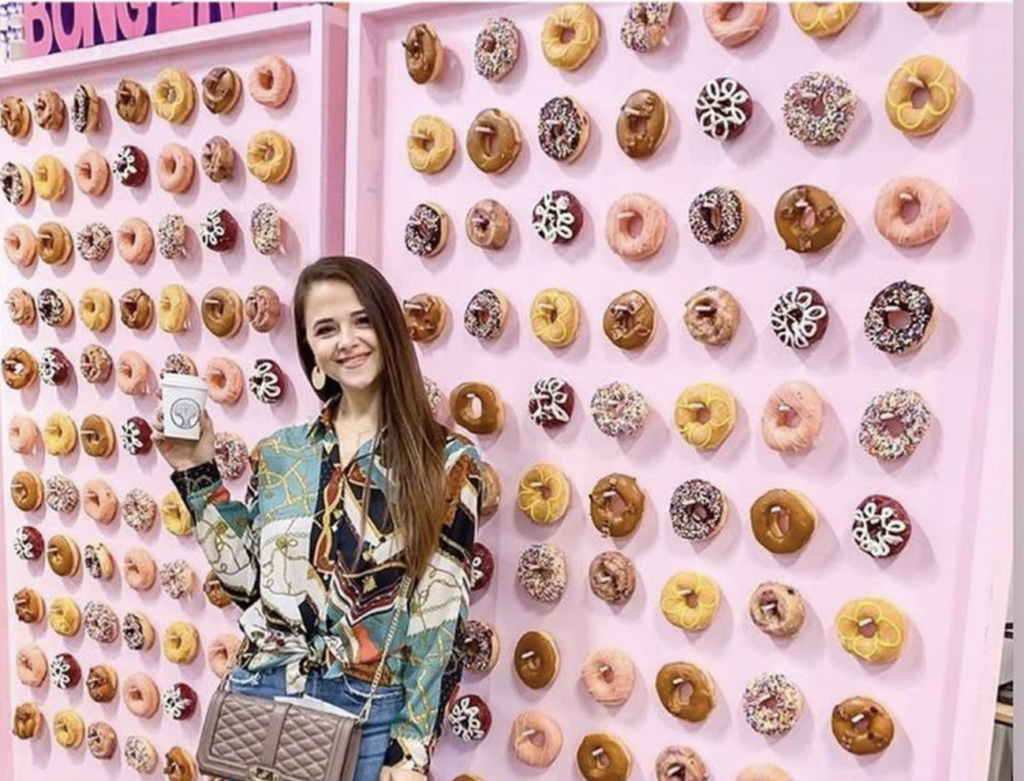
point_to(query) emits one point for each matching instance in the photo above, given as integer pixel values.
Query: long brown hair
(414, 444)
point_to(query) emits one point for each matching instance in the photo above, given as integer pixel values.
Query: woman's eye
(362, 321)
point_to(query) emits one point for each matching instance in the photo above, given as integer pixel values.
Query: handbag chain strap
(403, 595)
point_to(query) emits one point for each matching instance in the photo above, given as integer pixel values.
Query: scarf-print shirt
(317, 592)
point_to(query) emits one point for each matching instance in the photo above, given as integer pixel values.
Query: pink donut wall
(938, 690)
(313, 41)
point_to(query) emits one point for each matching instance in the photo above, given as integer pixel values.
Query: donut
(60, 436)
(469, 718)
(139, 511)
(135, 241)
(55, 308)
(544, 494)
(584, 25)
(881, 526)
(222, 654)
(716, 217)
(481, 567)
(98, 561)
(490, 490)
(563, 129)
(488, 224)
(21, 307)
(218, 230)
(491, 417)
(101, 622)
(861, 726)
(172, 237)
(231, 455)
(27, 491)
(31, 665)
(20, 368)
(94, 242)
(174, 95)
(130, 166)
(85, 109)
(609, 676)
(180, 643)
(698, 510)
(772, 704)
(131, 102)
(894, 424)
(225, 381)
(28, 721)
(177, 579)
(62, 555)
(933, 210)
(690, 600)
(783, 521)
(99, 501)
(928, 9)
(685, 691)
(175, 515)
(542, 572)
(267, 382)
(61, 494)
(49, 178)
(173, 309)
(931, 77)
(68, 729)
(425, 317)
(28, 543)
(222, 88)
(30, 608)
(777, 609)
(705, 414)
(426, 232)
(175, 168)
(792, 417)
(496, 49)
(22, 434)
(820, 20)
(616, 505)
(65, 618)
(712, 315)
(551, 402)
(643, 121)
(266, 229)
(799, 317)
(901, 318)
(16, 182)
(92, 173)
(819, 108)
(50, 110)
(20, 245)
(480, 647)
(612, 577)
(630, 320)
(269, 156)
(739, 29)
(636, 226)
(618, 410)
(724, 108)
(424, 53)
(15, 117)
(271, 81)
(555, 317)
(558, 217)
(138, 632)
(677, 763)
(55, 244)
(179, 701)
(139, 754)
(101, 740)
(872, 629)
(101, 683)
(430, 144)
(808, 219)
(132, 373)
(96, 309)
(54, 368)
(223, 312)
(218, 159)
(493, 141)
(180, 766)
(603, 757)
(136, 309)
(645, 25)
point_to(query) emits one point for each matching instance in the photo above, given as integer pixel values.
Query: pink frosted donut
(271, 80)
(20, 245)
(135, 240)
(222, 654)
(31, 665)
(636, 226)
(175, 168)
(933, 205)
(733, 32)
(536, 739)
(225, 381)
(609, 676)
(763, 773)
(132, 373)
(792, 417)
(21, 307)
(139, 569)
(23, 434)
(141, 696)
(92, 173)
(99, 501)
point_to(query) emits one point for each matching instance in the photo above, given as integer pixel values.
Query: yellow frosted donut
(96, 309)
(175, 515)
(173, 312)
(820, 20)
(580, 19)
(431, 144)
(872, 629)
(181, 642)
(690, 600)
(934, 77)
(705, 414)
(65, 617)
(68, 728)
(555, 317)
(60, 435)
(174, 95)
(269, 156)
(49, 178)
(544, 493)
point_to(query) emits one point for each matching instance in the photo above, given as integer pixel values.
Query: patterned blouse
(287, 557)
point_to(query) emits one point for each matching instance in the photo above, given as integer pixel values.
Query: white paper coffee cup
(184, 398)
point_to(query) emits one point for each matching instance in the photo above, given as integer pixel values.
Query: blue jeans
(350, 694)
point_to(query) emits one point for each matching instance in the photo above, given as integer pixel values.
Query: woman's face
(338, 329)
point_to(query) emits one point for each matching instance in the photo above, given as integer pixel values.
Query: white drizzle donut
(551, 402)
(266, 382)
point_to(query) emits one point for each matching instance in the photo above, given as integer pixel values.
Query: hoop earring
(318, 378)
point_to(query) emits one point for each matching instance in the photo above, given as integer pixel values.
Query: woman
(338, 511)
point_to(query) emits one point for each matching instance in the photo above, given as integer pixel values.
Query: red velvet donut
(180, 701)
(136, 436)
(469, 718)
(482, 567)
(28, 543)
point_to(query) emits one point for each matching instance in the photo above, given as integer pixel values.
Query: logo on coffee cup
(185, 413)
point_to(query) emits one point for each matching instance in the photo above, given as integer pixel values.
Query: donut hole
(867, 628)
(863, 726)
(487, 144)
(910, 208)
(265, 79)
(475, 407)
(919, 97)
(691, 600)
(780, 521)
(788, 417)
(898, 319)
(427, 142)
(703, 414)
(713, 217)
(487, 43)
(638, 125)
(601, 760)
(894, 427)
(808, 219)
(817, 106)
(616, 505)
(684, 692)
(566, 34)
(732, 12)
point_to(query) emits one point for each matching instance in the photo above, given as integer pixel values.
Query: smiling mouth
(354, 360)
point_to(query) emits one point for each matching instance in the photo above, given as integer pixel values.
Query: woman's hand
(395, 774)
(184, 453)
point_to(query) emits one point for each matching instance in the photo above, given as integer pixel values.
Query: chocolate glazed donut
(488, 224)
(493, 141)
(616, 505)
(643, 124)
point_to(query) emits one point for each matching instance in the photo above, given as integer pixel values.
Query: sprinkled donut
(139, 510)
(16, 183)
(618, 409)
(267, 382)
(612, 577)
(716, 216)
(61, 494)
(609, 676)
(481, 567)
(486, 314)
(894, 424)
(644, 27)
(712, 315)
(101, 622)
(542, 572)
(176, 578)
(469, 718)
(808, 219)
(624, 214)
(698, 510)
(673, 682)
(933, 211)
(916, 312)
(54, 307)
(792, 417)
(85, 109)
(616, 505)
(799, 317)
(558, 217)
(171, 236)
(231, 455)
(724, 107)
(818, 108)
(772, 704)
(940, 85)
(563, 129)
(139, 754)
(94, 242)
(496, 49)
(777, 609)
(265, 226)
(426, 232)
(881, 526)
(550, 402)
